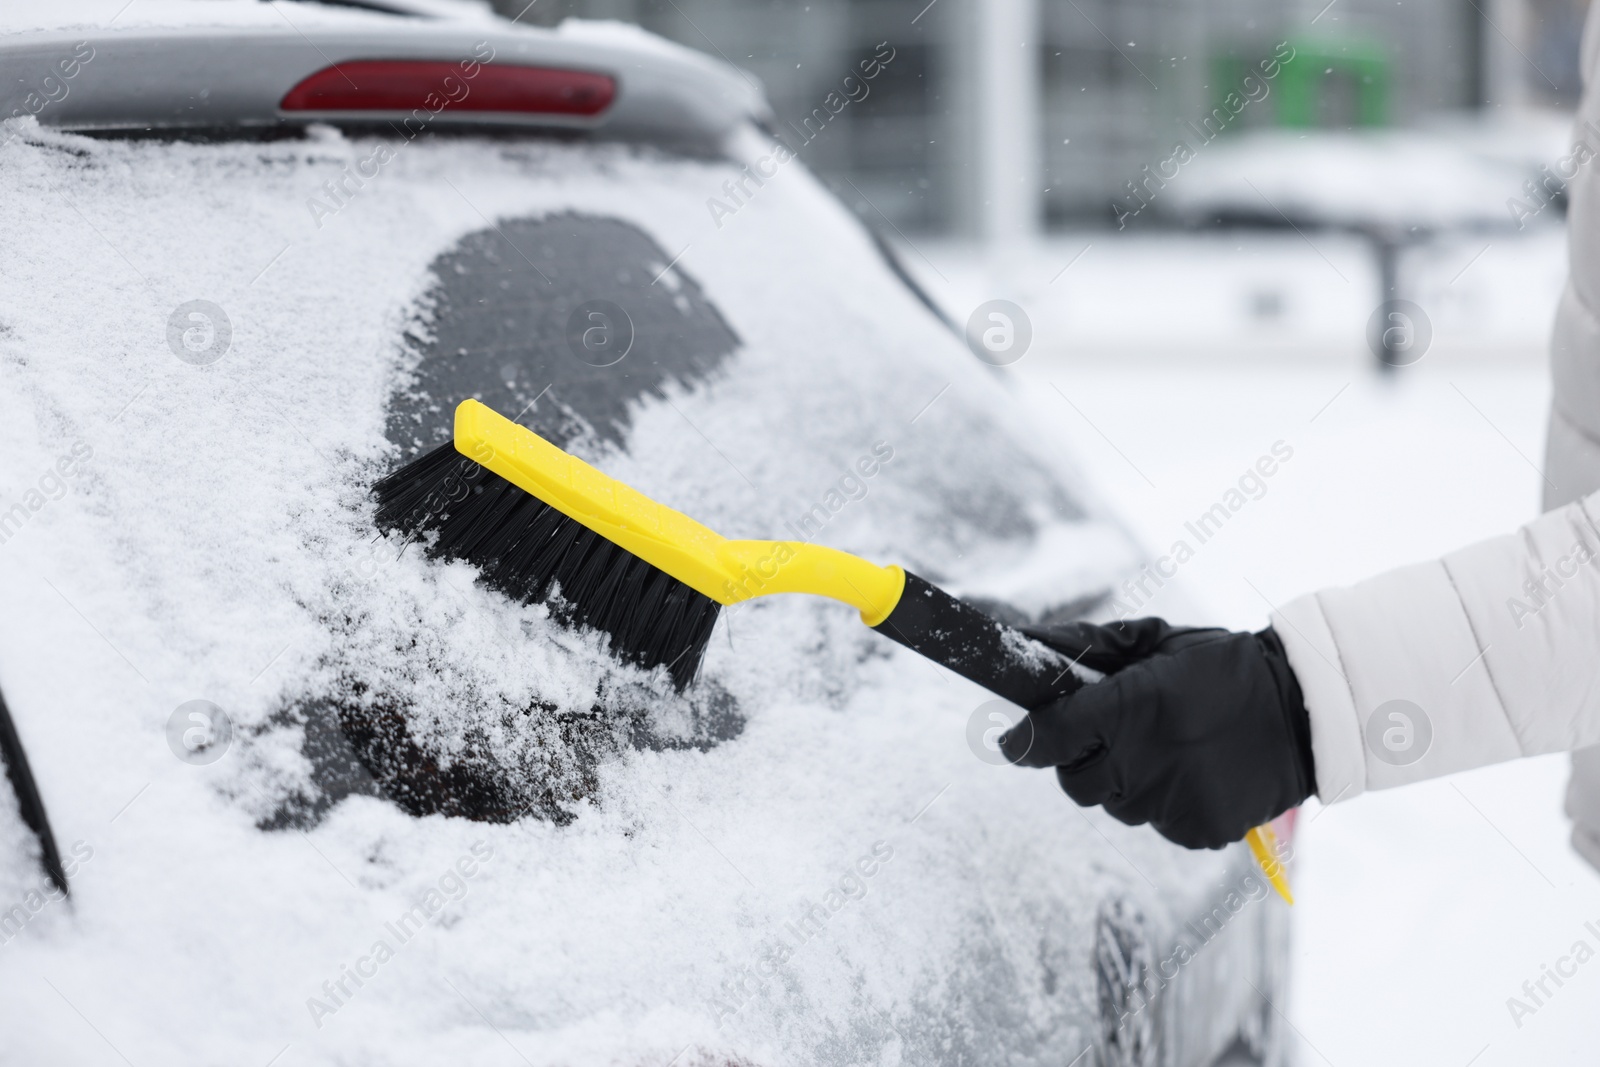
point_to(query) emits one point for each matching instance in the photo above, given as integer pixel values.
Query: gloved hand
(1201, 733)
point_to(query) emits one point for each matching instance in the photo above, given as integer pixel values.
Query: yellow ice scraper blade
(1262, 840)
(726, 571)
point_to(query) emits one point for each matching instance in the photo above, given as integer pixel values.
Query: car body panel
(802, 862)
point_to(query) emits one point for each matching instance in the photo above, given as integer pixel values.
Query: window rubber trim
(896, 265)
(28, 798)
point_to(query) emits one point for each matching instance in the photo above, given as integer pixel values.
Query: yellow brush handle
(1263, 843)
(699, 557)
(726, 571)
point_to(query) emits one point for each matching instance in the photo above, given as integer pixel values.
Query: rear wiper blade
(28, 799)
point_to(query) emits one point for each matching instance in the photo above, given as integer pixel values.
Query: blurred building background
(998, 118)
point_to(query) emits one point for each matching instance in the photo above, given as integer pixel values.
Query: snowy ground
(1421, 910)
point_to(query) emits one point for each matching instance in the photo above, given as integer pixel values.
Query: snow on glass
(220, 541)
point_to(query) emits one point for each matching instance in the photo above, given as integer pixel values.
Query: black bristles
(528, 550)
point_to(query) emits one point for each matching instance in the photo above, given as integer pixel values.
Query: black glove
(1201, 733)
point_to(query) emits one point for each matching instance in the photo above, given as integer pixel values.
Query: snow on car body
(443, 823)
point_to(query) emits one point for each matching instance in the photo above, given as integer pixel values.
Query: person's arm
(1491, 653)
(1494, 650)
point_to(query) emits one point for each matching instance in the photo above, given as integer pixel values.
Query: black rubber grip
(1004, 661)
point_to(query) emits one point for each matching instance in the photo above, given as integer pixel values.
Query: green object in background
(1302, 80)
(1305, 81)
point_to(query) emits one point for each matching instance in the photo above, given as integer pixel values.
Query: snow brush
(542, 525)
(538, 521)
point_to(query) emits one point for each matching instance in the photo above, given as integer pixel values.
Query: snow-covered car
(288, 792)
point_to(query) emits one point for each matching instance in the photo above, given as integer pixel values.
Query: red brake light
(408, 85)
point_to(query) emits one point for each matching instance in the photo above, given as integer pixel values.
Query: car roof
(187, 64)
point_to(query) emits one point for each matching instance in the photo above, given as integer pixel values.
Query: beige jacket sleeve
(1491, 653)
